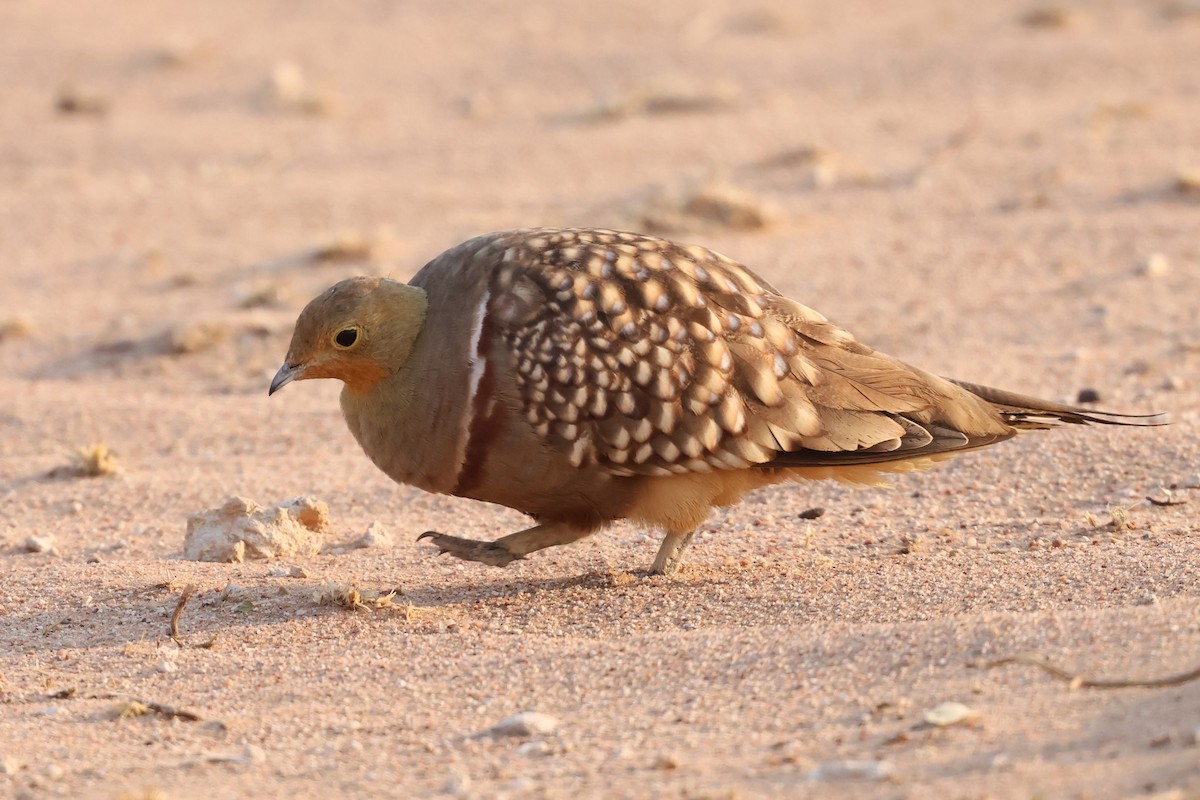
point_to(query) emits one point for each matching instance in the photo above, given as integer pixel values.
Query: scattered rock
(9, 765)
(909, 543)
(1050, 17)
(287, 89)
(180, 52)
(347, 246)
(536, 748)
(852, 770)
(1087, 395)
(72, 100)
(712, 206)
(949, 713)
(1193, 481)
(39, 544)
(311, 512)
(270, 294)
(1187, 182)
(193, 337)
(668, 762)
(818, 167)
(1156, 265)
(166, 666)
(527, 723)
(18, 327)
(297, 572)
(376, 536)
(811, 513)
(251, 754)
(1166, 498)
(241, 529)
(457, 784)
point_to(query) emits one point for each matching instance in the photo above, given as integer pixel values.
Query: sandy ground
(994, 196)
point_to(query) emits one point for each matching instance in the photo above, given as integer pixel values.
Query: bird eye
(346, 338)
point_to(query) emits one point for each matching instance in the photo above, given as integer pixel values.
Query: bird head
(359, 331)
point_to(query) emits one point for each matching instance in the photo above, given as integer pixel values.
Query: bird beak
(287, 373)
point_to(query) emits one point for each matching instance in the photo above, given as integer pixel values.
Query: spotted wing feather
(651, 358)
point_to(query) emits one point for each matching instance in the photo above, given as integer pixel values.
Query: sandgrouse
(584, 376)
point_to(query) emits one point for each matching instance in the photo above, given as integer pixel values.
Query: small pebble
(458, 784)
(54, 772)
(1087, 395)
(527, 723)
(39, 544)
(534, 749)
(297, 572)
(812, 513)
(166, 666)
(1147, 600)
(1155, 266)
(852, 770)
(667, 761)
(376, 536)
(1193, 482)
(9, 765)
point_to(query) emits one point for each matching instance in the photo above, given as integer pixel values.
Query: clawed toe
(469, 549)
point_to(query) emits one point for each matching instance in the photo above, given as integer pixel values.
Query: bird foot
(489, 553)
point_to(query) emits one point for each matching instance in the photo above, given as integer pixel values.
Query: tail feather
(1031, 413)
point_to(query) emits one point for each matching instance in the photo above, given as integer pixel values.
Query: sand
(999, 197)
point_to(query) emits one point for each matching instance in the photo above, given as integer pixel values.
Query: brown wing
(652, 358)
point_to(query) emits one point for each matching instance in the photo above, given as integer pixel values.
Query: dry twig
(1080, 682)
(183, 599)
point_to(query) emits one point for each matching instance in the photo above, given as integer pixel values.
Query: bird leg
(506, 549)
(670, 554)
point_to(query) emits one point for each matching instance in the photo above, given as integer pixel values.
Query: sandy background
(1000, 197)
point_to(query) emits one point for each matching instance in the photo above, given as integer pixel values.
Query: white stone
(241, 529)
(375, 536)
(852, 770)
(527, 723)
(39, 544)
(949, 713)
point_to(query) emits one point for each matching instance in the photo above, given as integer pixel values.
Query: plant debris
(130, 708)
(1080, 682)
(93, 461)
(332, 593)
(1119, 519)
(1167, 498)
(183, 599)
(662, 100)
